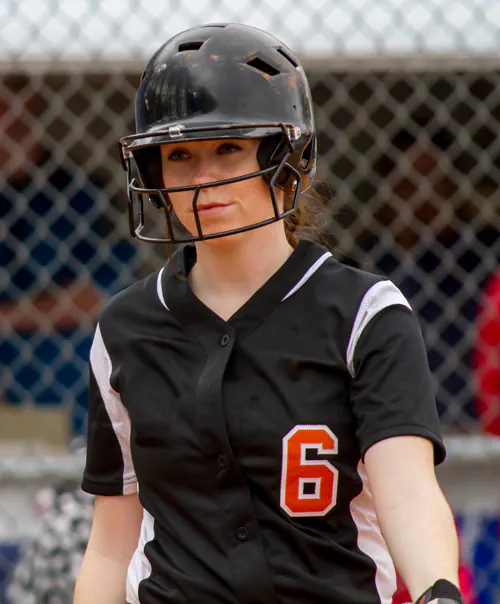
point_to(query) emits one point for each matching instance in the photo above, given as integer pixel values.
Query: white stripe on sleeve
(118, 415)
(381, 295)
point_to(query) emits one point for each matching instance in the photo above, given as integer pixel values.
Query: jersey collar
(304, 261)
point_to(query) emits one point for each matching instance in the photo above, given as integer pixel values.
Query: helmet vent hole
(261, 65)
(190, 46)
(288, 57)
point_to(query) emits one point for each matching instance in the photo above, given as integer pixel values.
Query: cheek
(181, 202)
(175, 176)
(258, 204)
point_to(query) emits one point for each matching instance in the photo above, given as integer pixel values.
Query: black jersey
(246, 438)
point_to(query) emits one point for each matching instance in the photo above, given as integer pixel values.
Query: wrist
(442, 592)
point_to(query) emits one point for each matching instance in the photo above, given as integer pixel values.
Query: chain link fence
(407, 100)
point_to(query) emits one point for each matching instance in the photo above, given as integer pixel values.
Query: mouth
(209, 209)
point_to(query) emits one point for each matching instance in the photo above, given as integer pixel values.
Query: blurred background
(407, 99)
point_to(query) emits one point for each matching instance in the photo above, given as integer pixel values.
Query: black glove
(442, 592)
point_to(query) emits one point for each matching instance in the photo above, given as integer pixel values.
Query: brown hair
(310, 219)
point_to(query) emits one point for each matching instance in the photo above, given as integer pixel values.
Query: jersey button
(242, 533)
(224, 341)
(222, 462)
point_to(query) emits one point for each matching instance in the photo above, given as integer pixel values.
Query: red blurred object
(486, 358)
(401, 596)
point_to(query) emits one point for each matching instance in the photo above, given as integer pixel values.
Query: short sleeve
(109, 468)
(392, 393)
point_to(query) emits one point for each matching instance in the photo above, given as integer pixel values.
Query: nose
(204, 171)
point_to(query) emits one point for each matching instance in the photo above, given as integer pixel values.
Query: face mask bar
(134, 188)
(179, 132)
(137, 228)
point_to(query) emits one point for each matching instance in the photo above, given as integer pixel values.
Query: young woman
(262, 426)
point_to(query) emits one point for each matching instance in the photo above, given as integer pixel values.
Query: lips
(212, 209)
(210, 206)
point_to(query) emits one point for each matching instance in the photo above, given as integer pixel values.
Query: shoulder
(347, 300)
(356, 293)
(135, 305)
(351, 276)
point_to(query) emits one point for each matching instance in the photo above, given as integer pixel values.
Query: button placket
(242, 533)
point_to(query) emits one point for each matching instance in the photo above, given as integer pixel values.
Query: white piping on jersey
(118, 415)
(140, 567)
(379, 296)
(159, 288)
(370, 539)
(308, 274)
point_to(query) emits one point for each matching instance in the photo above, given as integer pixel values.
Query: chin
(225, 239)
(218, 223)
(213, 229)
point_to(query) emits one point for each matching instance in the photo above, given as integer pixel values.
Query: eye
(178, 155)
(228, 148)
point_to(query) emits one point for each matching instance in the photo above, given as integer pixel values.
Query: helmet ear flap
(148, 162)
(309, 156)
(270, 153)
(307, 163)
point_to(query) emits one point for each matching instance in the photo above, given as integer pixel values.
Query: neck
(238, 265)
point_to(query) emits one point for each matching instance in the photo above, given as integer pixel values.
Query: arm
(413, 514)
(392, 396)
(109, 475)
(113, 540)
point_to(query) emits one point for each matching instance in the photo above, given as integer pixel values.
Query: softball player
(262, 425)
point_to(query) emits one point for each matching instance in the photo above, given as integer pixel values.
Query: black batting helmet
(215, 82)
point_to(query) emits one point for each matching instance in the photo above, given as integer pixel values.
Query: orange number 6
(308, 486)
